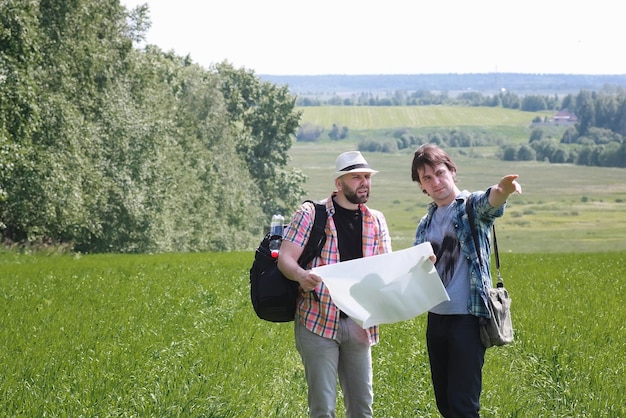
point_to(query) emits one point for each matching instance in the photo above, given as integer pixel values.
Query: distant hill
(488, 83)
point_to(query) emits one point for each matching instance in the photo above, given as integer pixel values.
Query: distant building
(564, 117)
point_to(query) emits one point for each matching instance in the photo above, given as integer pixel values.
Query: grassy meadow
(381, 117)
(174, 335)
(366, 122)
(563, 208)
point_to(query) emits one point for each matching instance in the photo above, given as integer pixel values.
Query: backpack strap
(317, 238)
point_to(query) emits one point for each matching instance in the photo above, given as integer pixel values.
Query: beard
(353, 197)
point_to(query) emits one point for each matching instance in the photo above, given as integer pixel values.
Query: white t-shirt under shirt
(450, 264)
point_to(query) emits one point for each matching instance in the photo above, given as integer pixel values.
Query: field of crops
(381, 117)
(175, 335)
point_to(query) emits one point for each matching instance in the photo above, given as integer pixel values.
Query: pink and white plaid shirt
(322, 317)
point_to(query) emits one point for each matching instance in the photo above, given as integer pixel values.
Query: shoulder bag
(498, 328)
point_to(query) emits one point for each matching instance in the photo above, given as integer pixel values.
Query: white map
(386, 288)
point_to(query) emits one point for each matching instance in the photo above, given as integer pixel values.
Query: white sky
(297, 37)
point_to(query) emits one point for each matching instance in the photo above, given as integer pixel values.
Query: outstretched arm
(501, 191)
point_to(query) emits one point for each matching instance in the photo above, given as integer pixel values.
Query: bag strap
(317, 238)
(500, 282)
(470, 215)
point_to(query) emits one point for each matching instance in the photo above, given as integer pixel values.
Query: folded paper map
(386, 288)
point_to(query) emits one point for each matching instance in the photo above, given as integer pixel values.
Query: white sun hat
(352, 162)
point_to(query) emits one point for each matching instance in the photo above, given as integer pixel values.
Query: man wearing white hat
(331, 344)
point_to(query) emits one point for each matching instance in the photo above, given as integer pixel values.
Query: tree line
(106, 146)
(531, 102)
(598, 138)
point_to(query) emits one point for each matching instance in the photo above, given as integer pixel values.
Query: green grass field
(174, 335)
(563, 208)
(381, 117)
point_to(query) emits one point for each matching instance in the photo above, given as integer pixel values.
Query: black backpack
(273, 295)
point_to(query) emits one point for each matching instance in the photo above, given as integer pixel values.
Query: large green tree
(111, 148)
(266, 122)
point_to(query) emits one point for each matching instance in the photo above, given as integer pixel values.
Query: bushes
(404, 138)
(309, 132)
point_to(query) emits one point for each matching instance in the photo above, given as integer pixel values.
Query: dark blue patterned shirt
(485, 217)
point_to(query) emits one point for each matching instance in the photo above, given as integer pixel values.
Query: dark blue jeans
(456, 362)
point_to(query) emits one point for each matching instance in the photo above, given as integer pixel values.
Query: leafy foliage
(309, 132)
(114, 149)
(597, 139)
(265, 121)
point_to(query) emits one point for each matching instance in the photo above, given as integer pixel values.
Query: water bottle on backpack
(276, 232)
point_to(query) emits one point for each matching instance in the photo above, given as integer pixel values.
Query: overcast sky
(300, 37)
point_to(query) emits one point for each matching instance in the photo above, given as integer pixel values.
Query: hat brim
(356, 170)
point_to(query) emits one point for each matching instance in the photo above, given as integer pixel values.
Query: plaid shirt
(485, 216)
(322, 317)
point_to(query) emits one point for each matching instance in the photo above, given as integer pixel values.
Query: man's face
(438, 182)
(356, 187)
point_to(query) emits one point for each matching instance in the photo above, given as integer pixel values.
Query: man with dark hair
(330, 344)
(455, 351)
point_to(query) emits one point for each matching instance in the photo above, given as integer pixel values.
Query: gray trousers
(349, 358)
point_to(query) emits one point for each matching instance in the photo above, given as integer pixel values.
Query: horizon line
(448, 73)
